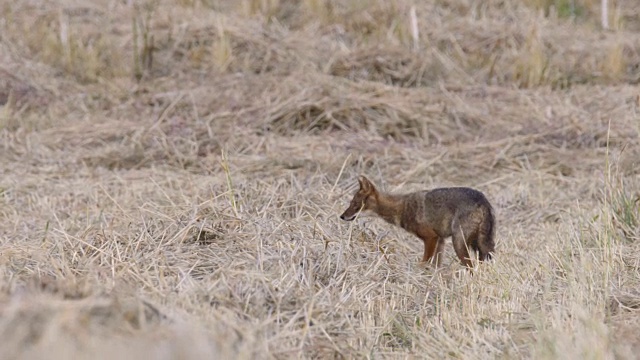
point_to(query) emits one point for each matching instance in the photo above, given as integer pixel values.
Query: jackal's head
(364, 199)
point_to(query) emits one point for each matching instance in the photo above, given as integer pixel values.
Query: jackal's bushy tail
(486, 235)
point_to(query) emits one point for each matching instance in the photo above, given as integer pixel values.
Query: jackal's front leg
(430, 239)
(437, 260)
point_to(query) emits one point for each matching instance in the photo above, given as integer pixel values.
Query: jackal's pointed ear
(365, 184)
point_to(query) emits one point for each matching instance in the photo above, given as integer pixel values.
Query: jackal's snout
(359, 200)
(347, 217)
(354, 208)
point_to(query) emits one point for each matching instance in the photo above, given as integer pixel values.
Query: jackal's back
(436, 209)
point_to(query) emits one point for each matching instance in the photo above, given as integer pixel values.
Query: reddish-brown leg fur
(430, 239)
(429, 249)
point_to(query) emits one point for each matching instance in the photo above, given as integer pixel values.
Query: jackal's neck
(390, 207)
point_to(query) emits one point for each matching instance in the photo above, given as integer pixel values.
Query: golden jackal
(464, 214)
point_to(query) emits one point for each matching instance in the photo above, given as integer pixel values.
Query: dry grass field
(172, 172)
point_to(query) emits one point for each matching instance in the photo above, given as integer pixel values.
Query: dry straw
(172, 175)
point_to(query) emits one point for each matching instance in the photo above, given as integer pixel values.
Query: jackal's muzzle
(347, 217)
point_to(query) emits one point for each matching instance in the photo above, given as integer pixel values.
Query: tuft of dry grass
(172, 172)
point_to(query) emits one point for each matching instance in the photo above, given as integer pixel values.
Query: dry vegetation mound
(171, 174)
